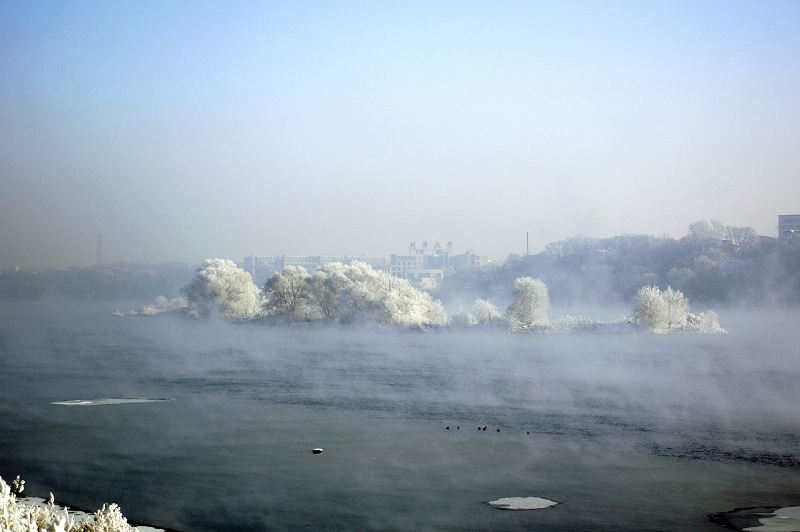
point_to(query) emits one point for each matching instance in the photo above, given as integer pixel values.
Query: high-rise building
(426, 267)
(788, 225)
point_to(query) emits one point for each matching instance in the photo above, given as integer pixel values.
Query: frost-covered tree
(486, 314)
(660, 309)
(676, 308)
(649, 307)
(363, 297)
(287, 293)
(407, 306)
(350, 293)
(664, 310)
(325, 289)
(530, 305)
(220, 285)
(742, 237)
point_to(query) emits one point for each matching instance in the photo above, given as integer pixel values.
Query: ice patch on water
(522, 503)
(111, 401)
(785, 520)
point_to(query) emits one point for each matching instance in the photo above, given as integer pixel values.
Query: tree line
(712, 264)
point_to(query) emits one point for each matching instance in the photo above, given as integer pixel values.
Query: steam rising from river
(356, 293)
(593, 402)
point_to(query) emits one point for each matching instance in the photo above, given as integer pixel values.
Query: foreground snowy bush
(16, 516)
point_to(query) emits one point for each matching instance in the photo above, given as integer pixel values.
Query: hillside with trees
(712, 264)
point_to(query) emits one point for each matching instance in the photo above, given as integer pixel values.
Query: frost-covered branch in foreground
(18, 516)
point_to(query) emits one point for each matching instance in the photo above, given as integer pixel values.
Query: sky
(188, 130)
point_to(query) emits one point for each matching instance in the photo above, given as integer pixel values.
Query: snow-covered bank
(26, 514)
(760, 519)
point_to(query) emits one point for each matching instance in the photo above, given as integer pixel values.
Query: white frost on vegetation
(159, 305)
(667, 310)
(522, 503)
(348, 293)
(486, 314)
(584, 324)
(34, 515)
(221, 286)
(531, 302)
(287, 294)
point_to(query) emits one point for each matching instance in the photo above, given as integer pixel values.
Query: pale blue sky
(186, 130)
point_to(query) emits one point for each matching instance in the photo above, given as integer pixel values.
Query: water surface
(626, 433)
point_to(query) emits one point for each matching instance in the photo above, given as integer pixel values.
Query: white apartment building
(425, 267)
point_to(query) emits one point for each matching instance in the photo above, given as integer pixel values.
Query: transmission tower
(98, 263)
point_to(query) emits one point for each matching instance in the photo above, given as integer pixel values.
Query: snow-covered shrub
(705, 322)
(660, 309)
(665, 310)
(530, 305)
(16, 516)
(161, 304)
(486, 314)
(406, 306)
(350, 293)
(222, 286)
(107, 519)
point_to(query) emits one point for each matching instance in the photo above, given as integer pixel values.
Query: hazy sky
(187, 130)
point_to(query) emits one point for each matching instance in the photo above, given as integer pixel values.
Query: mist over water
(627, 432)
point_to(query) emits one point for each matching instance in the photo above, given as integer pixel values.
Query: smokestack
(527, 245)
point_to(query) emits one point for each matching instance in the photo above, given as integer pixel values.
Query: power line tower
(98, 263)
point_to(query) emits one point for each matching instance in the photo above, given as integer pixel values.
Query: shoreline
(60, 515)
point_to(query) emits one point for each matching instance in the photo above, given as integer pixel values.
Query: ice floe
(784, 520)
(760, 519)
(522, 503)
(111, 401)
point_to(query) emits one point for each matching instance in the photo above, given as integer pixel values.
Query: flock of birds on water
(481, 428)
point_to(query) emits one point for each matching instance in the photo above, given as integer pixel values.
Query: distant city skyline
(184, 130)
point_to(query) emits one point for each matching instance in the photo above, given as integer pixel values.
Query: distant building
(426, 267)
(789, 225)
(262, 267)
